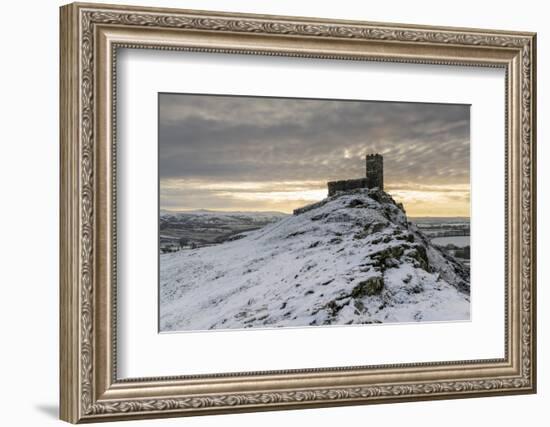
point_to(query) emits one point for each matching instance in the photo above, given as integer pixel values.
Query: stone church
(374, 177)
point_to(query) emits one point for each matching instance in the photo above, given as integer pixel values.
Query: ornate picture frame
(90, 37)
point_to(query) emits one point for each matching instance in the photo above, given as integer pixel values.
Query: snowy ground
(355, 259)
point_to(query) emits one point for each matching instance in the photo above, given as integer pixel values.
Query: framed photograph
(266, 212)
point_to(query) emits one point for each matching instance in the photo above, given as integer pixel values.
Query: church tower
(375, 171)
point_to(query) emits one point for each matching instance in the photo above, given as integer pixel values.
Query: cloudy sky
(276, 154)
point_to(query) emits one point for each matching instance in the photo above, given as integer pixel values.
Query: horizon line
(182, 210)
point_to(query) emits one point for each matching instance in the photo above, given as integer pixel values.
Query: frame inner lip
(339, 370)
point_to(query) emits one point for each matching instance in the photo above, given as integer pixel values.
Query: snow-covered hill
(351, 259)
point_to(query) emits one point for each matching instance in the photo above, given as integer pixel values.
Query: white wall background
(29, 170)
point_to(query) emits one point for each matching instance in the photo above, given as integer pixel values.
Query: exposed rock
(369, 287)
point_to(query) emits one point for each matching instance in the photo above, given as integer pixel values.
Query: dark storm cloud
(222, 138)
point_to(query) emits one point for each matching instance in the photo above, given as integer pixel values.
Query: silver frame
(90, 37)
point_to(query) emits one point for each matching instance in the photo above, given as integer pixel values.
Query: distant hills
(204, 227)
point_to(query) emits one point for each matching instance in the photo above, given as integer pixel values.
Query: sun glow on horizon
(285, 196)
